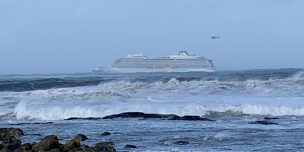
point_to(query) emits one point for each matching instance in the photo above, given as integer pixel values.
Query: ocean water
(40, 105)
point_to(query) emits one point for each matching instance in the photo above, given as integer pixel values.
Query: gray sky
(64, 36)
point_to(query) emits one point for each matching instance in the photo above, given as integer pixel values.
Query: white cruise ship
(183, 62)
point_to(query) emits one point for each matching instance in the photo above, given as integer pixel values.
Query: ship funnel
(184, 53)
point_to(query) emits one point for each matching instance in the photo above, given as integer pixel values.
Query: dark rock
(35, 146)
(159, 116)
(6, 150)
(139, 115)
(54, 150)
(8, 139)
(81, 137)
(71, 145)
(88, 118)
(130, 146)
(47, 143)
(10, 143)
(61, 146)
(27, 147)
(155, 116)
(15, 132)
(84, 147)
(182, 142)
(271, 118)
(192, 118)
(263, 122)
(125, 115)
(106, 134)
(34, 123)
(103, 147)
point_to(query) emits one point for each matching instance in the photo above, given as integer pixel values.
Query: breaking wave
(298, 76)
(64, 110)
(47, 83)
(27, 83)
(271, 92)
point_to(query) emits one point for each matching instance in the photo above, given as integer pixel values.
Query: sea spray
(50, 110)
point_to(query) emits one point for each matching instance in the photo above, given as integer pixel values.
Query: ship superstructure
(183, 62)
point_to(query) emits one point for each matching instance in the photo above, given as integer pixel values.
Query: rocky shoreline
(50, 143)
(10, 142)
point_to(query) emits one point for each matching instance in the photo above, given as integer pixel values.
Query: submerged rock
(271, 118)
(8, 136)
(47, 143)
(71, 145)
(51, 144)
(181, 142)
(15, 132)
(137, 115)
(10, 143)
(33, 123)
(102, 147)
(81, 137)
(130, 146)
(192, 118)
(27, 147)
(263, 122)
(84, 147)
(155, 116)
(87, 118)
(106, 134)
(125, 115)
(55, 150)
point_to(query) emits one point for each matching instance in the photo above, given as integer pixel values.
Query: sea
(237, 101)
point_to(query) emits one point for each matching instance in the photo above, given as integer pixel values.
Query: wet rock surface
(72, 145)
(15, 132)
(33, 123)
(263, 122)
(181, 142)
(27, 147)
(271, 118)
(191, 118)
(10, 143)
(49, 143)
(106, 134)
(156, 116)
(88, 118)
(142, 115)
(128, 146)
(102, 147)
(81, 137)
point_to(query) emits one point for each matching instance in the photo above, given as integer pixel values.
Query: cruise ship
(136, 63)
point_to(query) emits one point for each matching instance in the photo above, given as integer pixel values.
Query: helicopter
(215, 37)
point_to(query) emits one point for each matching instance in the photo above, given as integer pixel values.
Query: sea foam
(198, 97)
(63, 110)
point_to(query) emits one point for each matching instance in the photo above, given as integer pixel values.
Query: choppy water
(232, 98)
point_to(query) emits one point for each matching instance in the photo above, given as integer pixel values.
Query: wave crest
(298, 76)
(47, 110)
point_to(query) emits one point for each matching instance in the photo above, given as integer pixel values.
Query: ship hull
(135, 70)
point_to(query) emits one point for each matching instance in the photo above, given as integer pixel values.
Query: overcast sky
(67, 36)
